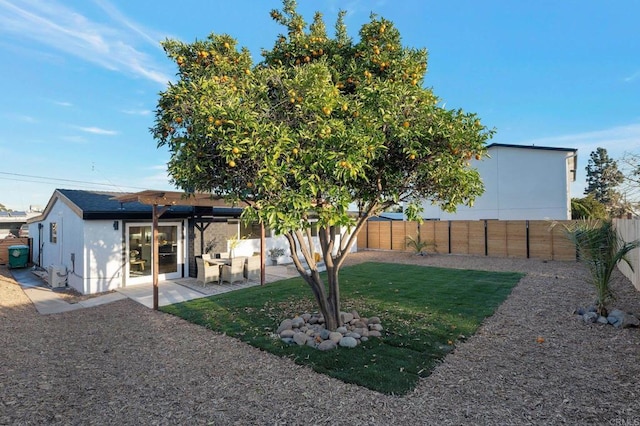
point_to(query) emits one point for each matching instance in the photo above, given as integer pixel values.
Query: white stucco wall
(69, 240)
(103, 269)
(520, 183)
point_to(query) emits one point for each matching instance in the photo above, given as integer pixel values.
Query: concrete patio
(48, 301)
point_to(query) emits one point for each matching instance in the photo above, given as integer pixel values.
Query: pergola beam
(167, 199)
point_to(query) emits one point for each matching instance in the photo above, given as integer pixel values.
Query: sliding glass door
(139, 252)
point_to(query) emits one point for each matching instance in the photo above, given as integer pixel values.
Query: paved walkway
(47, 301)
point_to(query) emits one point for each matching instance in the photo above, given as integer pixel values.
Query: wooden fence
(537, 239)
(5, 243)
(629, 230)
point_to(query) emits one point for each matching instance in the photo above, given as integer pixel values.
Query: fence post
(486, 239)
(527, 237)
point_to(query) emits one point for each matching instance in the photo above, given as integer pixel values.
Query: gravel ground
(124, 364)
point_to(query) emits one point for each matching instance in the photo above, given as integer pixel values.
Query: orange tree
(322, 124)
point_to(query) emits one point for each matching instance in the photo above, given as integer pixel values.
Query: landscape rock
(284, 325)
(288, 333)
(621, 319)
(616, 317)
(348, 342)
(346, 317)
(327, 345)
(307, 329)
(335, 337)
(590, 317)
(297, 322)
(300, 338)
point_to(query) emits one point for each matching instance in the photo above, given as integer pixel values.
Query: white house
(521, 182)
(92, 242)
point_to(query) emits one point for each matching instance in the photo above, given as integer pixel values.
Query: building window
(53, 232)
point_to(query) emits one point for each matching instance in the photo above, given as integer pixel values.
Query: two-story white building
(521, 183)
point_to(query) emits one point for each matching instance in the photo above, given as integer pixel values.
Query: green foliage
(425, 313)
(601, 249)
(419, 246)
(320, 124)
(603, 177)
(276, 252)
(588, 208)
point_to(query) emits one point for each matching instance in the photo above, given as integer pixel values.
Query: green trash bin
(18, 256)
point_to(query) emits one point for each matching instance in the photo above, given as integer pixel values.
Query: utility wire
(85, 183)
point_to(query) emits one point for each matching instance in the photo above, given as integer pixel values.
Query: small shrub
(419, 246)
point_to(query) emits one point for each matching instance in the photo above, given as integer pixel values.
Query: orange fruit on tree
(231, 163)
(412, 157)
(235, 150)
(406, 124)
(218, 123)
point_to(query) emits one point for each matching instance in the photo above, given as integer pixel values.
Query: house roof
(102, 205)
(548, 148)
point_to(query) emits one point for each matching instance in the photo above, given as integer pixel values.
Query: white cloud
(110, 46)
(136, 111)
(632, 77)
(23, 118)
(616, 140)
(98, 131)
(63, 104)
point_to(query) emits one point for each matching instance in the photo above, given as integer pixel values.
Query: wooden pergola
(161, 201)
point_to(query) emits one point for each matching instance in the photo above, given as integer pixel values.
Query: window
(53, 232)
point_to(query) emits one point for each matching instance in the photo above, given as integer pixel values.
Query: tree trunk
(328, 304)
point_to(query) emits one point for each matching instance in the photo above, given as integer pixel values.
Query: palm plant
(418, 245)
(600, 248)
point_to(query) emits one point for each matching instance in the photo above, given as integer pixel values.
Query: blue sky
(80, 78)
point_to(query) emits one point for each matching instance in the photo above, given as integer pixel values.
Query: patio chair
(252, 268)
(207, 272)
(234, 271)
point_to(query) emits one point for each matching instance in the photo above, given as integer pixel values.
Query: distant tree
(630, 188)
(4, 209)
(588, 208)
(322, 123)
(603, 177)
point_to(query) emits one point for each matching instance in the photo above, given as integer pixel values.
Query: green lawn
(425, 312)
